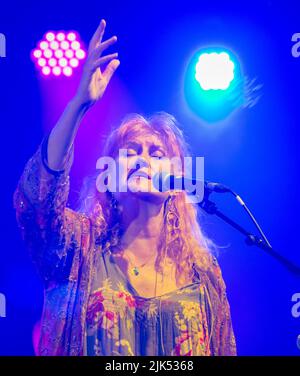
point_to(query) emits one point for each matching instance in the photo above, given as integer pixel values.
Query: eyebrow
(137, 146)
(132, 144)
(155, 147)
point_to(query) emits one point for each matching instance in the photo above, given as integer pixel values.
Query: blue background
(255, 151)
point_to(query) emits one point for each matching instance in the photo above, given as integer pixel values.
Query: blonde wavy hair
(181, 238)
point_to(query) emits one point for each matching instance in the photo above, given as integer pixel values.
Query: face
(144, 156)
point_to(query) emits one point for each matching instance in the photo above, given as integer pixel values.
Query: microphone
(163, 182)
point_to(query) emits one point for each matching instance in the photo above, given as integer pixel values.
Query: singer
(130, 273)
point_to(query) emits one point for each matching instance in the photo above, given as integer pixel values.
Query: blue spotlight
(214, 85)
(214, 71)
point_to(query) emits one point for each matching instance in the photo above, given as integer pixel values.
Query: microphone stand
(261, 242)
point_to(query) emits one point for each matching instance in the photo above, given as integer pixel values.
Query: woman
(133, 274)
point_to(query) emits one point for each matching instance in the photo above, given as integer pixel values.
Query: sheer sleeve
(224, 338)
(56, 236)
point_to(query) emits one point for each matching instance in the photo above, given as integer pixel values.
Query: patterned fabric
(85, 315)
(120, 322)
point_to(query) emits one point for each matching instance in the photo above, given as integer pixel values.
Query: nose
(139, 164)
(142, 161)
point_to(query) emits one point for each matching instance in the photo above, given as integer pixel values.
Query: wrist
(79, 106)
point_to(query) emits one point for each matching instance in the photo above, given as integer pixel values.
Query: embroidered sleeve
(225, 340)
(55, 235)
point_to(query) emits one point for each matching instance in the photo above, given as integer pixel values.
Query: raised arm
(57, 236)
(91, 88)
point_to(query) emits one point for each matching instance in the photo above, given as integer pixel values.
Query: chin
(144, 190)
(154, 197)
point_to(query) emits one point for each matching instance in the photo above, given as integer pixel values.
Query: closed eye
(158, 155)
(130, 152)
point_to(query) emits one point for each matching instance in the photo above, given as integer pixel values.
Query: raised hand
(94, 81)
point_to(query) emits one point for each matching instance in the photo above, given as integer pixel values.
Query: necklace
(135, 270)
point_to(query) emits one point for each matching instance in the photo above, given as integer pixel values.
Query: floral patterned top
(89, 306)
(120, 322)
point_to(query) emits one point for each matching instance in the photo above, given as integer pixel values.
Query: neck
(142, 227)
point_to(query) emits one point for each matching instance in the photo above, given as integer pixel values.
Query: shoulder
(212, 275)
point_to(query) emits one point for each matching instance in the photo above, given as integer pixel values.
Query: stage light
(71, 37)
(41, 62)
(60, 36)
(44, 45)
(63, 62)
(74, 63)
(54, 45)
(80, 54)
(214, 71)
(75, 45)
(50, 36)
(48, 53)
(56, 71)
(37, 53)
(46, 71)
(64, 45)
(59, 53)
(69, 54)
(213, 85)
(52, 62)
(67, 71)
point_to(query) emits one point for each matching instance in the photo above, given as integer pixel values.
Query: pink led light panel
(58, 53)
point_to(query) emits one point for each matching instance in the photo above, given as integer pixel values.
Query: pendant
(135, 271)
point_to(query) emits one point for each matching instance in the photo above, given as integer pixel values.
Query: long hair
(181, 238)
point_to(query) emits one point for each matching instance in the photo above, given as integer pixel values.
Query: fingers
(104, 59)
(110, 69)
(103, 46)
(97, 37)
(95, 50)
